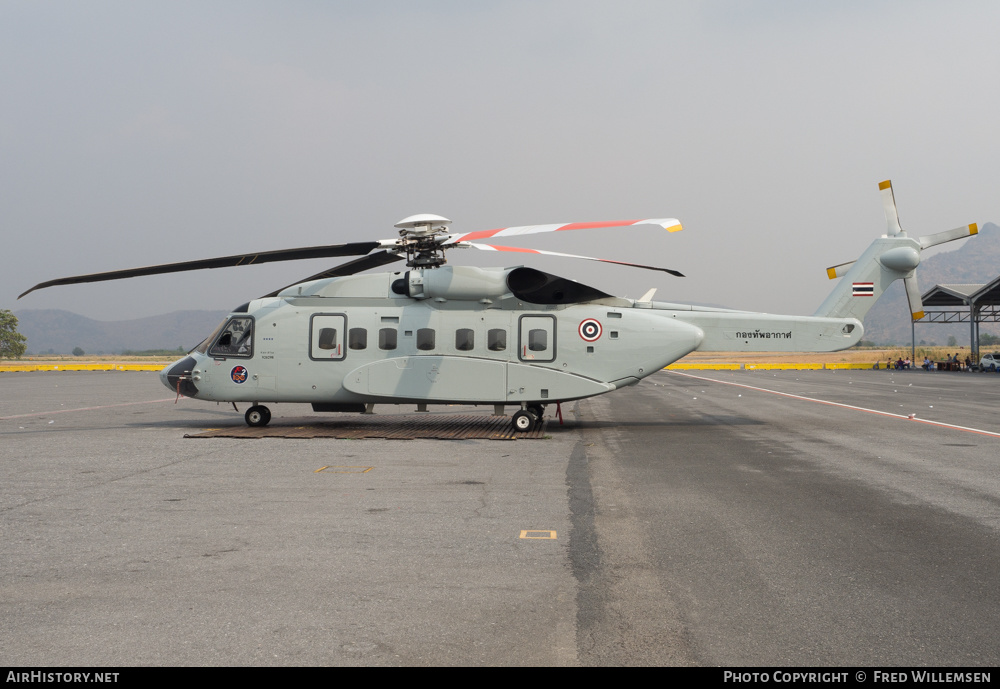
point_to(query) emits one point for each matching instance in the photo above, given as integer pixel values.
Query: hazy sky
(135, 133)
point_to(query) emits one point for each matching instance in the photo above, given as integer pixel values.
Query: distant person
(927, 364)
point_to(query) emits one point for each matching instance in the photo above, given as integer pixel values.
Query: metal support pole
(974, 326)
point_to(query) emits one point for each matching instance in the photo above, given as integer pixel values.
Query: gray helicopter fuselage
(463, 338)
(466, 335)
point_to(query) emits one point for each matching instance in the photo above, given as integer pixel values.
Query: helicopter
(517, 337)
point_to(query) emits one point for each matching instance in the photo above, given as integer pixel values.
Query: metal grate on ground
(444, 427)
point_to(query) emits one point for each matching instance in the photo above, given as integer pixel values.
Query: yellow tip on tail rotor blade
(884, 185)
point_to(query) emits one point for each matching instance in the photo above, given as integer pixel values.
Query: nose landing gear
(257, 415)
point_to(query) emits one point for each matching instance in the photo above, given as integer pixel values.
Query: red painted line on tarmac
(66, 411)
(940, 424)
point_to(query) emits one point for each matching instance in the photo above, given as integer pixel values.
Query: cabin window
(357, 338)
(537, 340)
(236, 339)
(327, 338)
(387, 338)
(425, 339)
(465, 339)
(496, 340)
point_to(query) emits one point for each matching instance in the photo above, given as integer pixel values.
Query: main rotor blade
(490, 247)
(669, 224)
(358, 265)
(353, 249)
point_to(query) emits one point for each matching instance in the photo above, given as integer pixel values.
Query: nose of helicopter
(177, 377)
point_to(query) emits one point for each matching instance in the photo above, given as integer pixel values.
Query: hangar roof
(964, 295)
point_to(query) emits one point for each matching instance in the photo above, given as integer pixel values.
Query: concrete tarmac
(716, 518)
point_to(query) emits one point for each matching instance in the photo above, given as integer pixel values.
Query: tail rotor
(893, 257)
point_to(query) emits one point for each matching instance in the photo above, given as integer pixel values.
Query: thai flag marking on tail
(864, 289)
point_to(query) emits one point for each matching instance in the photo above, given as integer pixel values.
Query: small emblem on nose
(238, 374)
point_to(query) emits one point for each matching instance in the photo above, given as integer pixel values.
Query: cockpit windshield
(234, 338)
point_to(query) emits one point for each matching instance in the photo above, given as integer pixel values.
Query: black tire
(524, 421)
(257, 415)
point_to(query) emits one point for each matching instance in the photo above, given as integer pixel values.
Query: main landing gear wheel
(538, 410)
(524, 421)
(257, 415)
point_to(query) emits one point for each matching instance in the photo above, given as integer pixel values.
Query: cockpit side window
(235, 340)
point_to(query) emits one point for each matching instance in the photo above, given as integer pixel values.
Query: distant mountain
(978, 261)
(59, 332)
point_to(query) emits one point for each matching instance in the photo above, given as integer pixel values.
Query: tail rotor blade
(948, 235)
(889, 206)
(840, 271)
(913, 297)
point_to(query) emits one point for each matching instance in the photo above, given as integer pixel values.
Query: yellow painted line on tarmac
(80, 367)
(703, 367)
(783, 367)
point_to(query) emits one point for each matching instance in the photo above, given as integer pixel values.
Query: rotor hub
(419, 238)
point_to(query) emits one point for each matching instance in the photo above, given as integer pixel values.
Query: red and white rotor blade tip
(490, 247)
(669, 224)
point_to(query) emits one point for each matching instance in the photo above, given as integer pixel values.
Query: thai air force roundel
(590, 330)
(239, 374)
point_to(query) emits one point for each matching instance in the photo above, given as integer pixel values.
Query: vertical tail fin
(894, 256)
